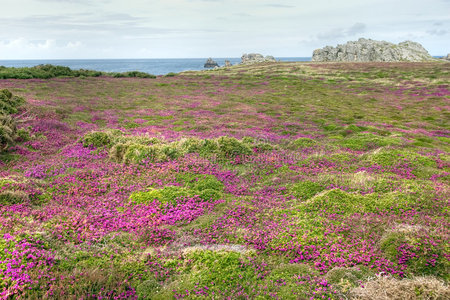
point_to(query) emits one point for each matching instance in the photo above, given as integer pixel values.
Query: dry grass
(389, 288)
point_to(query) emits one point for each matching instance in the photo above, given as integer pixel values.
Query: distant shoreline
(154, 66)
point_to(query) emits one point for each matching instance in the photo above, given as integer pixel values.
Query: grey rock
(210, 63)
(365, 50)
(228, 63)
(253, 58)
(447, 57)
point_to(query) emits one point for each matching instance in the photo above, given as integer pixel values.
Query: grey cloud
(356, 28)
(438, 32)
(337, 33)
(91, 23)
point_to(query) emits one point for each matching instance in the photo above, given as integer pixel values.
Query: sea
(153, 66)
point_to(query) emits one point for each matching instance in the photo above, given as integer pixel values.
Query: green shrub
(306, 189)
(190, 145)
(421, 252)
(302, 143)
(146, 289)
(221, 271)
(364, 141)
(9, 103)
(393, 157)
(339, 201)
(12, 197)
(203, 182)
(168, 194)
(96, 139)
(133, 74)
(231, 147)
(136, 153)
(117, 152)
(208, 147)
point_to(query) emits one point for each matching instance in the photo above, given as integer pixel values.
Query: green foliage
(341, 202)
(171, 74)
(51, 71)
(168, 194)
(136, 153)
(133, 74)
(285, 279)
(231, 147)
(147, 288)
(306, 189)
(390, 157)
(96, 139)
(10, 197)
(364, 141)
(423, 253)
(9, 103)
(221, 271)
(207, 187)
(302, 143)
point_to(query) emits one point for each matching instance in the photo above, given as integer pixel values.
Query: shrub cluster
(51, 71)
(9, 105)
(136, 149)
(206, 187)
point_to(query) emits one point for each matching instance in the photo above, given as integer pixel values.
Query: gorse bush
(138, 149)
(9, 105)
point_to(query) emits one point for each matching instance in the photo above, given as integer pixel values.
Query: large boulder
(447, 57)
(210, 63)
(365, 50)
(252, 58)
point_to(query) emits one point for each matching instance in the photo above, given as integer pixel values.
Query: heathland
(266, 181)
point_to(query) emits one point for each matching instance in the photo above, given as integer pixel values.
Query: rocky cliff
(256, 58)
(365, 50)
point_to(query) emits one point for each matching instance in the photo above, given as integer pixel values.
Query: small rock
(228, 63)
(210, 63)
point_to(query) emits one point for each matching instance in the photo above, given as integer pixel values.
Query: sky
(83, 29)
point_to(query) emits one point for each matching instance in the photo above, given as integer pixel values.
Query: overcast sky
(65, 29)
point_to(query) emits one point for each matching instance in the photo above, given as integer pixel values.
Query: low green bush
(136, 153)
(302, 143)
(365, 141)
(421, 252)
(231, 147)
(96, 139)
(306, 189)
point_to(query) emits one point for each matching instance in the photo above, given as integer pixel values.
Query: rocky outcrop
(365, 50)
(253, 58)
(447, 57)
(210, 63)
(228, 63)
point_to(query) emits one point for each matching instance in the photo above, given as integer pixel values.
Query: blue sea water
(152, 66)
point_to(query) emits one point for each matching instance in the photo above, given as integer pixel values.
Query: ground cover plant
(270, 181)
